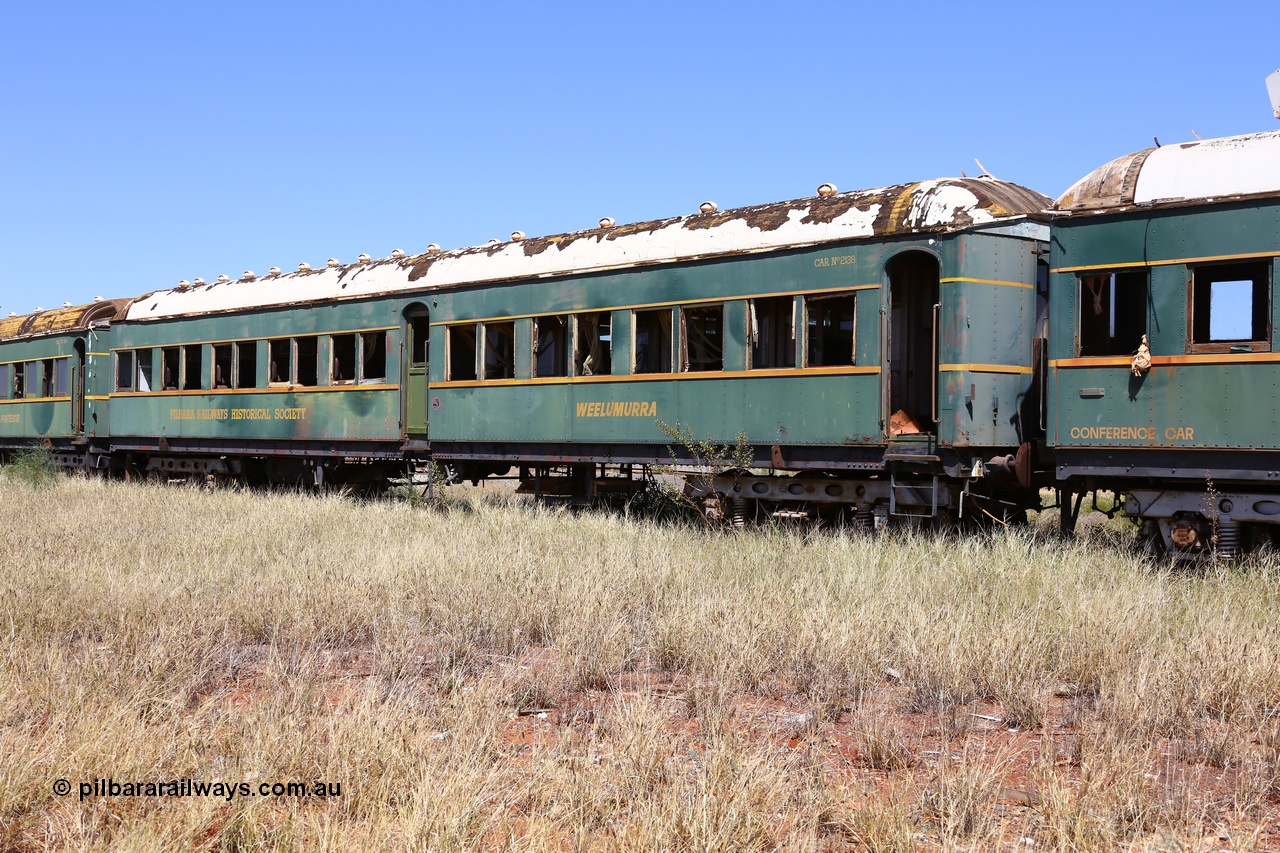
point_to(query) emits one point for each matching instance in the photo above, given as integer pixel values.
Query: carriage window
(1230, 308)
(419, 334)
(344, 359)
(772, 332)
(191, 367)
(281, 367)
(38, 378)
(308, 361)
(46, 377)
(124, 370)
(222, 365)
(61, 379)
(144, 370)
(702, 338)
(592, 353)
(500, 350)
(247, 364)
(19, 381)
(653, 341)
(1113, 313)
(830, 329)
(6, 381)
(373, 358)
(171, 367)
(462, 353)
(551, 345)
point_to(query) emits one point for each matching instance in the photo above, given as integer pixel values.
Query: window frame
(578, 355)
(686, 360)
(671, 342)
(754, 334)
(805, 301)
(449, 362)
(508, 328)
(1113, 312)
(1201, 291)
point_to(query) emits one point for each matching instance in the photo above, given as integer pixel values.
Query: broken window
(462, 353)
(830, 329)
(551, 345)
(171, 367)
(19, 380)
(1231, 308)
(500, 350)
(653, 341)
(281, 367)
(702, 338)
(222, 359)
(308, 361)
(373, 358)
(247, 364)
(124, 370)
(144, 369)
(344, 359)
(192, 373)
(61, 378)
(46, 378)
(773, 332)
(1113, 313)
(419, 334)
(593, 353)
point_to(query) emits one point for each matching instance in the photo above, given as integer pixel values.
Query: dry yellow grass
(758, 690)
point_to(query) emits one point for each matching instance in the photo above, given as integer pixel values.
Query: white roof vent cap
(198, 282)
(248, 275)
(332, 262)
(397, 253)
(827, 189)
(224, 278)
(517, 236)
(66, 305)
(274, 271)
(304, 267)
(708, 207)
(184, 284)
(607, 222)
(433, 248)
(97, 299)
(364, 258)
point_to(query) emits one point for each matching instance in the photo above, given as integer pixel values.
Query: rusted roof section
(939, 206)
(62, 319)
(1189, 173)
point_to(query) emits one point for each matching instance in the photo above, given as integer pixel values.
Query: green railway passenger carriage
(1177, 246)
(848, 336)
(54, 382)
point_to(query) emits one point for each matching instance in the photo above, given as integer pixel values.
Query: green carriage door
(77, 386)
(912, 345)
(417, 330)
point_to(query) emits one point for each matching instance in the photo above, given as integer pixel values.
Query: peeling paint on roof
(939, 206)
(61, 319)
(1186, 173)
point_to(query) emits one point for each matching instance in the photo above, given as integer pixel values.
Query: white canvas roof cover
(947, 204)
(1186, 173)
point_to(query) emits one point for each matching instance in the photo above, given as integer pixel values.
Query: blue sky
(146, 143)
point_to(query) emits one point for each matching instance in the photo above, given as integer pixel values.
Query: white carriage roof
(948, 204)
(1187, 173)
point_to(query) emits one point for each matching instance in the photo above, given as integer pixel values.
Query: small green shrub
(33, 466)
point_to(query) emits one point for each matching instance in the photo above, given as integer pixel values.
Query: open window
(281, 368)
(344, 360)
(143, 370)
(373, 358)
(124, 370)
(500, 350)
(551, 345)
(772, 331)
(308, 363)
(419, 335)
(462, 352)
(192, 367)
(1231, 307)
(170, 368)
(653, 341)
(702, 338)
(593, 354)
(1113, 313)
(830, 329)
(19, 380)
(222, 363)
(247, 364)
